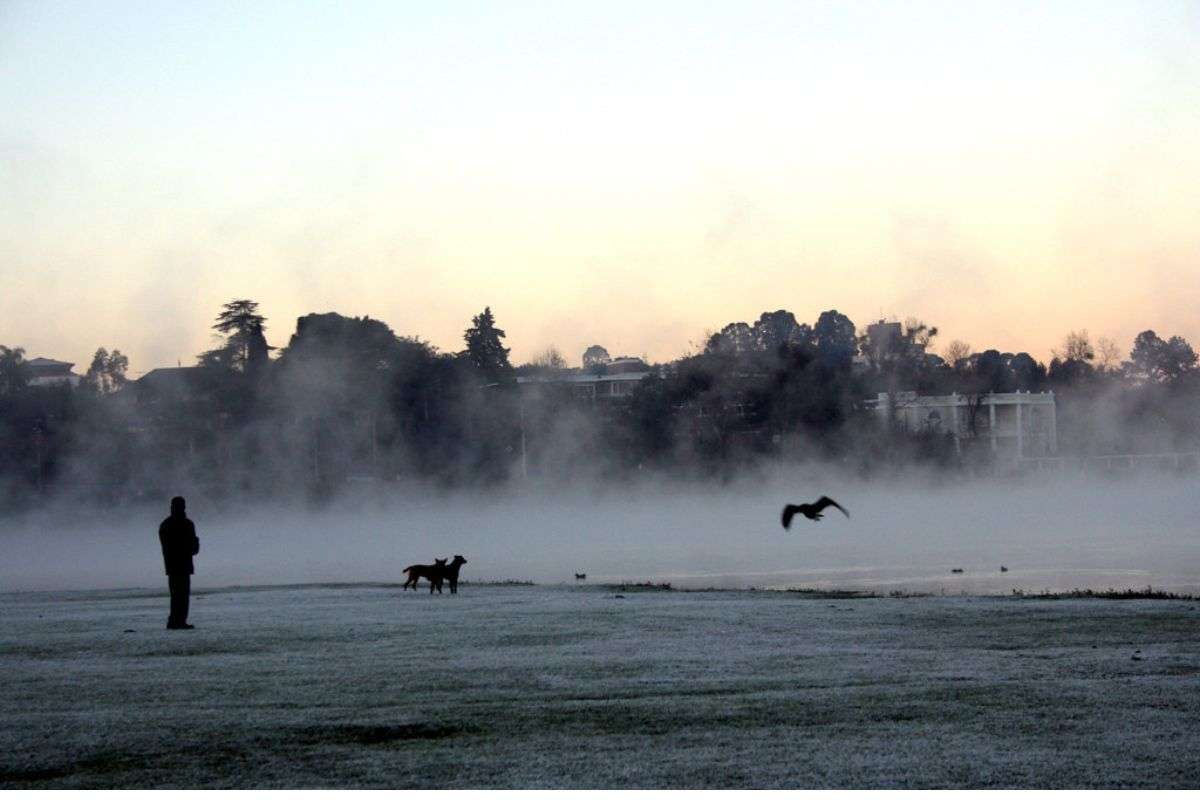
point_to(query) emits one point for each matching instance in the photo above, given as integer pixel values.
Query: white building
(1015, 424)
(48, 372)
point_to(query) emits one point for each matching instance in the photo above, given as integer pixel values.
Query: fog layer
(1060, 534)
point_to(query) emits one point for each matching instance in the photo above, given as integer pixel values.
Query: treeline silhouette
(348, 400)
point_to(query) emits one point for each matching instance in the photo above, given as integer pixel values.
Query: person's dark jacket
(179, 544)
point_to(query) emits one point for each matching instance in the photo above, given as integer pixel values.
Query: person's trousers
(181, 589)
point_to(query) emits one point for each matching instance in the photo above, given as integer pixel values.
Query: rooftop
(48, 362)
(582, 377)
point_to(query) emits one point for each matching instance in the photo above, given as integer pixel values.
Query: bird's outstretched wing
(825, 502)
(789, 511)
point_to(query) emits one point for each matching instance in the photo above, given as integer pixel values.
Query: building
(588, 385)
(166, 383)
(882, 336)
(1014, 424)
(156, 399)
(48, 372)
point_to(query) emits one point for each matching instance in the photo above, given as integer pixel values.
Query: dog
(434, 573)
(450, 571)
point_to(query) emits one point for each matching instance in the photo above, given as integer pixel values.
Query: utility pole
(316, 454)
(38, 445)
(524, 457)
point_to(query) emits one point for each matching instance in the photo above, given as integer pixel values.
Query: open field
(563, 686)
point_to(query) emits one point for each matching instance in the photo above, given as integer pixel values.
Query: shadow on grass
(375, 734)
(1149, 593)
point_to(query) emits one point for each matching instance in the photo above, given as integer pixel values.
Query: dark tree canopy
(985, 372)
(245, 348)
(736, 338)
(14, 372)
(835, 339)
(779, 329)
(107, 371)
(1027, 374)
(595, 356)
(345, 350)
(1070, 372)
(349, 401)
(1157, 361)
(484, 348)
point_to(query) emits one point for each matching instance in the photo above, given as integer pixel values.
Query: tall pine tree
(484, 348)
(245, 348)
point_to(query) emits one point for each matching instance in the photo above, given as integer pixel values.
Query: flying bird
(810, 510)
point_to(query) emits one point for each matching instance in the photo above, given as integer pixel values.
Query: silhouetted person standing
(179, 543)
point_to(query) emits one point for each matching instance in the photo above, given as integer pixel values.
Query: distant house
(165, 383)
(48, 372)
(1014, 424)
(626, 364)
(159, 392)
(882, 336)
(587, 385)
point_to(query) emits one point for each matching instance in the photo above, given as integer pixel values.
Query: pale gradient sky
(623, 173)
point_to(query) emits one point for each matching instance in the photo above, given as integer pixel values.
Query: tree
(1178, 358)
(14, 371)
(990, 373)
(1108, 355)
(779, 329)
(956, 351)
(107, 371)
(1156, 361)
(484, 348)
(1072, 365)
(1143, 358)
(345, 351)
(245, 349)
(1028, 374)
(774, 330)
(898, 355)
(736, 338)
(835, 339)
(351, 391)
(548, 360)
(918, 335)
(1069, 371)
(1077, 346)
(595, 356)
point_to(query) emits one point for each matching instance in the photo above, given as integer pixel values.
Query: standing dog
(451, 572)
(431, 572)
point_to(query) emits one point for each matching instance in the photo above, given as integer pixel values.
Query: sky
(628, 174)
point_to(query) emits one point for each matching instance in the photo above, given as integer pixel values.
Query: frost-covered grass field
(565, 686)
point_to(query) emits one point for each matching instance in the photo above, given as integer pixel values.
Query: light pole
(38, 447)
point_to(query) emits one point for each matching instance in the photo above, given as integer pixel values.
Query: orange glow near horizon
(1007, 173)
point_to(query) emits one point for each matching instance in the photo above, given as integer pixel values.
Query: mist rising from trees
(348, 400)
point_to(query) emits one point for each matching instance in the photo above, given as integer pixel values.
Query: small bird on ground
(810, 510)
(1003, 568)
